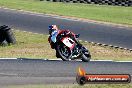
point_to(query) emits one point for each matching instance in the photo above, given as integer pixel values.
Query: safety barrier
(100, 2)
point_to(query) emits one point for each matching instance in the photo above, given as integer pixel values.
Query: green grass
(114, 14)
(31, 45)
(75, 86)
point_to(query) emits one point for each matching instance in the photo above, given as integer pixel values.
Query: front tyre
(64, 52)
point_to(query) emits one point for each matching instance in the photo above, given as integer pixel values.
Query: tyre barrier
(100, 2)
(6, 36)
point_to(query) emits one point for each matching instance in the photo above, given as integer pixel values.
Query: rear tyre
(86, 58)
(64, 52)
(85, 55)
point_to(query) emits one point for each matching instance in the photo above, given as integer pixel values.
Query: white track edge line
(61, 60)
(8, 58)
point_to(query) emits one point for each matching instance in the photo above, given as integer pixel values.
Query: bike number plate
(67, 42)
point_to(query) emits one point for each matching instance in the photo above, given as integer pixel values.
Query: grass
(31, 45)
(114, 14)
(75, 86)
(28, 46)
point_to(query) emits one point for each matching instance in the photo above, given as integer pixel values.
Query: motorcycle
(68, 48)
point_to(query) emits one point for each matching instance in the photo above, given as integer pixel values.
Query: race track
(92, 32)
(29, 71)
(25, 71)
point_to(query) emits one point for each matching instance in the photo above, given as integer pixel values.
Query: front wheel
(64, 52)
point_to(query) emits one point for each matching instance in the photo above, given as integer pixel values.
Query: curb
(112, 46)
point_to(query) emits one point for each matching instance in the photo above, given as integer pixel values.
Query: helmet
(52, 28)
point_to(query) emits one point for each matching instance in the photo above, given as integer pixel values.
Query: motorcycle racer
(54, 32)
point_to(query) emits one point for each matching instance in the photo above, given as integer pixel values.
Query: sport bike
(69, 48)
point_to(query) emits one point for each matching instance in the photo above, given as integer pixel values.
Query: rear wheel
(64, 52)
(86, 58)
(85, 55)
